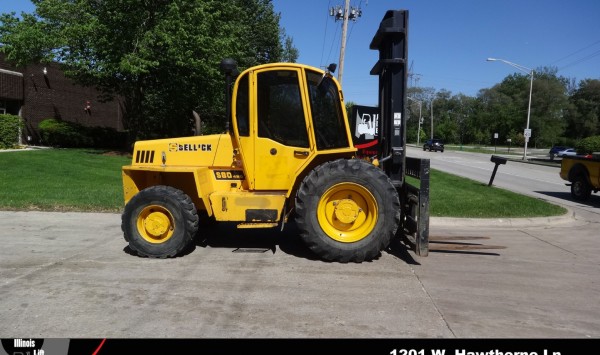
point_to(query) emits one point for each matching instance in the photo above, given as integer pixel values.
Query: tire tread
(189, 215)
(313, 235)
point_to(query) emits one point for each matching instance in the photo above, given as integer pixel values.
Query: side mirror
(331, 68)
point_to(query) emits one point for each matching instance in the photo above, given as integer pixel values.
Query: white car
(566, 152)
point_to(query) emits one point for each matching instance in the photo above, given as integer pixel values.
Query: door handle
(301, 152)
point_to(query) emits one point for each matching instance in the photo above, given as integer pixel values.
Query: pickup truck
(583, 173)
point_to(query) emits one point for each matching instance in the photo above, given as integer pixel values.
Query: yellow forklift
(288, 152)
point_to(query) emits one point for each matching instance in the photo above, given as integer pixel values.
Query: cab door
(281, 140)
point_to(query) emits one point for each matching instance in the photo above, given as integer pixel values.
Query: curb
(535, 222)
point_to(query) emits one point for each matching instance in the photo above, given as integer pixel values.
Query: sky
(448, 40)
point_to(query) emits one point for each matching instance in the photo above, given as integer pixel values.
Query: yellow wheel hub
(155, 224)
(347, 212)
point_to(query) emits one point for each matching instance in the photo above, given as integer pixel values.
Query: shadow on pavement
(227, 235)
(593, 201)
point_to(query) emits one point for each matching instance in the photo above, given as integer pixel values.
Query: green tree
(443, 125)
(290, 53)
(549, 102)
(427, 97)
(162, 57)
(509, 102)
(504, 107)
(584, 112)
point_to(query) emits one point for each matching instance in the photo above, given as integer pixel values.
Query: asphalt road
(525, 177)
(71, 275)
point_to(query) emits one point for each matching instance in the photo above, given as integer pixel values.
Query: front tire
(347, 211)
(159, 222)
(580, 188)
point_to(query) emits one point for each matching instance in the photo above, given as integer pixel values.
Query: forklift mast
(391, 40)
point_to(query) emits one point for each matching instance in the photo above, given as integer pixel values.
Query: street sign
(495, 135)
(527, 133)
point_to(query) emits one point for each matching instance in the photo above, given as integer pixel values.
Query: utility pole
(344, 14)
(420, 118)
(432, 117)
(413, 77)
(343, 45)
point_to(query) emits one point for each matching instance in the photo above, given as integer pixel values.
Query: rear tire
(347, 211)
(580, 188)
(159, 222)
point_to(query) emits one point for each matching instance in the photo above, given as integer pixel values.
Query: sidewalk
(24, 149)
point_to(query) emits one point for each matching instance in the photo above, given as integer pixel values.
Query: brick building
(42, 91)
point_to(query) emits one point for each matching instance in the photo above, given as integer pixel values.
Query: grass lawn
(90, 180)
(61, 180)
(454, 196)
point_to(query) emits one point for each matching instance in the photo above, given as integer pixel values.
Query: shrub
(9, 130)
(588, 145)
(57, 133)
(106, 137)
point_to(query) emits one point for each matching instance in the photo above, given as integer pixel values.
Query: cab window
(280, 113)
(326, 110)
(242, 107)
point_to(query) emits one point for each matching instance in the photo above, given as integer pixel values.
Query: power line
(324, 36)
(590, 56)
(577, 51)
(580, 60)
(350, 32)
(332, 43)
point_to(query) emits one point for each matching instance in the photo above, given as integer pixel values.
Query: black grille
(144, 156)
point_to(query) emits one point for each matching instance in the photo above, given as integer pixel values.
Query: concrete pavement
(70, 275)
